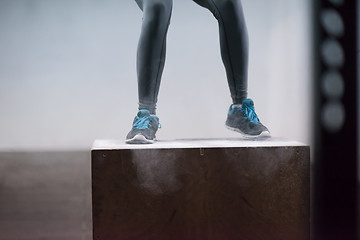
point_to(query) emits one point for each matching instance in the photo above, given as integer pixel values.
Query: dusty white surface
(196, 143)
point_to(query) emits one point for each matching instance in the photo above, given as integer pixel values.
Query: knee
(229, 6)
(228, 9)
(158, 11)
(231, 11)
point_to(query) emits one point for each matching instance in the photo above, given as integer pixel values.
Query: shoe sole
(139, 139)
(264, 134)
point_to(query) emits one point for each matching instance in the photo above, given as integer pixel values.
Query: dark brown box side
(201, 193)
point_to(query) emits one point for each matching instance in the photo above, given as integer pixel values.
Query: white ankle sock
(236, 106)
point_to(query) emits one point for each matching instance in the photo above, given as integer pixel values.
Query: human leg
(234, 51)
(151, 50)
(233, 43)
(150, 64)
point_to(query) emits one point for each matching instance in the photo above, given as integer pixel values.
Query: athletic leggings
(152, 47)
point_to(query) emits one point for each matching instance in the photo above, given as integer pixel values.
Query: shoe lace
(250, 113)
(145, 122)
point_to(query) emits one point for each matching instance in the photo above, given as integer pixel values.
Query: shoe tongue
(143, 113)
(248, 102)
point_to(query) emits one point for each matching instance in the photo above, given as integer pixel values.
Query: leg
(234, 43)
(150, 64)
(151, 50)
(234, 51)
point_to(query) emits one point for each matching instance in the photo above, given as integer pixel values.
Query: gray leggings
(152, 46)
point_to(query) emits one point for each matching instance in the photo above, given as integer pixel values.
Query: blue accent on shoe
(249, 110)
(244, 120)
(144, 128)
(143, 120)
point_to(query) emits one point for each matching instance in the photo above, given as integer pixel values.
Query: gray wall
(67, 71)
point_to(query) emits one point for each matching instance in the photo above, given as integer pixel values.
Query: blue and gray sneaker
(245, 121)
(144, 128)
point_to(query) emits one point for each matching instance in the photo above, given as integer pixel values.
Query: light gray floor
(45, 196)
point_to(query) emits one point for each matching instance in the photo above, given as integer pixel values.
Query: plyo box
(201, 189)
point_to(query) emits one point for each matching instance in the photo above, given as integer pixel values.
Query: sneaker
(245, 121)
(144, 128)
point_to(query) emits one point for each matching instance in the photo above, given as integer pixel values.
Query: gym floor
(45, 195)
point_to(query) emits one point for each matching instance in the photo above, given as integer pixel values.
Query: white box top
(196, 143)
